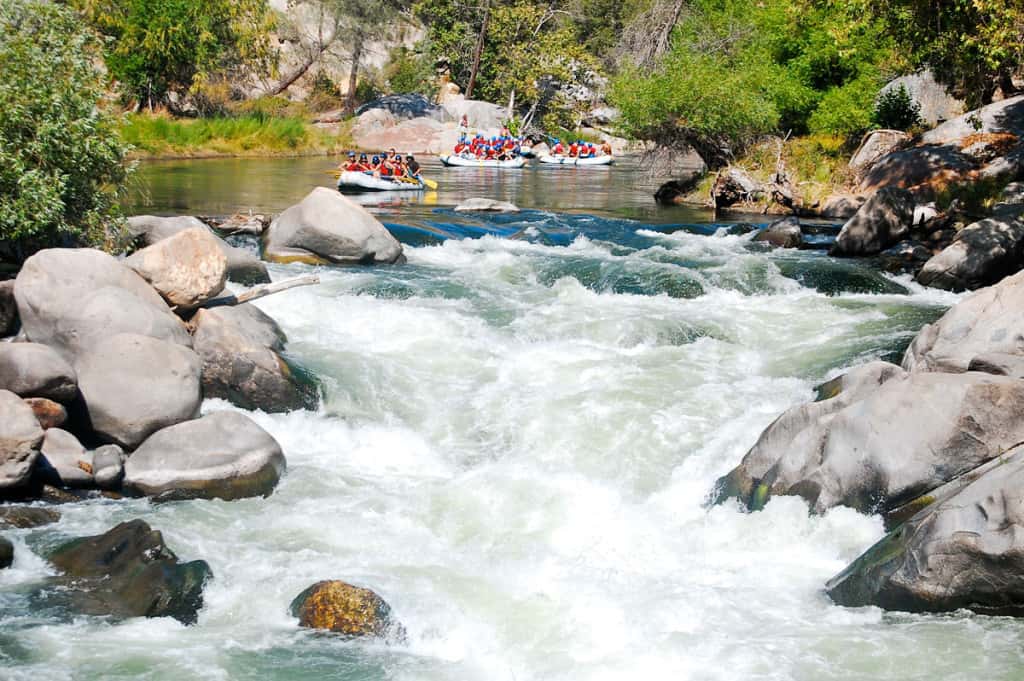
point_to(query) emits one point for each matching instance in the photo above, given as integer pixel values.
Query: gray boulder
(8, 308)
(906, 256)
(328, 228)
(987, 321)
(982, 254)
(133, 386)
(922, 169)
(20, 437)
(785, 233)
(63, 461)
(937, 105)
(910, 435)
(70, 298)
(239, 347)
(1006, 116)
(842, 206)
(108, 466)
(884, 220)
(187, 269)
(963, 550)
(223, 455)
(6, 553)
(486, 205)
(35, 370)
(874, 146)
(243, 267)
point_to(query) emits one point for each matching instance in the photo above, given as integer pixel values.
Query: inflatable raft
(355, 182)
(570, 161)
(461, 161)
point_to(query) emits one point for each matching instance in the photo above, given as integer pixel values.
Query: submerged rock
(982, 254)
(6, 553)
(129, 572)
(187, 269)
(20, 437)
(24, 517)
(486, 205)
(885, 219)
(344, 609)
(35, 370)
(785, 233)
(963, 550)
(224, 455)
(327, 228)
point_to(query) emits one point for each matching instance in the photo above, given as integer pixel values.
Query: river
(520, 427)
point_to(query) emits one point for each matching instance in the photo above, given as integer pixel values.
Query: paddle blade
(430, 183)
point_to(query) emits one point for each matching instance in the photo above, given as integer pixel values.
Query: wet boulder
(128, 572)
(35, 370)
(784, 233)
(239, 347)
(964, 549)
(224, 455)
(8, 309)
(6, 553)
(344, 609)
(328, 228)
(486, 205)
(69, 299)
(988, 320)
(885, 219)
(187, 269)
(910, 435)
(63, 461)
(842, 206)
(982, 254)
(132, 386)
(906, 256)
(108, 466)
(50, 414)
(24, 517)
(20, 437)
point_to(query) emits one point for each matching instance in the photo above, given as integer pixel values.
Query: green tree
(160, 47)
(61, 160)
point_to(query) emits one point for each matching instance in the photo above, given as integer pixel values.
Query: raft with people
(502, 151)
(351, 181)
(577, 160)
(388, 171)
(578, 153)
(475, 162)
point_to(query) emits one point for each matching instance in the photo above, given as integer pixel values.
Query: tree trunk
(479, 50)
(353, 74)
(299, 72)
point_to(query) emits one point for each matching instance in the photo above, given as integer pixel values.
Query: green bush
(409, 72)
(896, 109)
(62, 163)
(846, 110)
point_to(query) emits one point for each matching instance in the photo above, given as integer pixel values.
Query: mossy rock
(342, 608)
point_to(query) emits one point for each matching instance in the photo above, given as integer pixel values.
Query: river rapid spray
(517, 440)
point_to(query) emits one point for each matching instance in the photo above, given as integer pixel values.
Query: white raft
(570, 161)
(354, 182)
(461, 161)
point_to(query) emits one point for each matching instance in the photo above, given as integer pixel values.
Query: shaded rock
(735, 186)
(20, 437)
(63, 461)
(920, 168)
(8, 309)
(982, 254)
(6, 553)
(1011, 197)
(482, 116)
(990, 320)
(906, 256)
(1006, 116)
(108, 466)
(489, 205)
(875, 145)
(963, 550)
(50, 414)
(875, 453)
(674, 191)
(70, 298)
(187, 269)
(344, 609)
(133, 386)
(35, 370)
(129, 572)
(998, 364)
(223, 455)
(325, 228)
(785, 233)
(842, 206)
(239, 348)
(243, 267)
(885, 219)
(24, 517)
(1006, 168)
(937, 105)
(404, 107)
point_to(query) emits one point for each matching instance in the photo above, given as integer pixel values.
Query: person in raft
(558, 149)
(606, 148)
(351, 164)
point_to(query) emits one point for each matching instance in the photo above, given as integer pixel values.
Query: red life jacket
(559, 149)
(573, 150)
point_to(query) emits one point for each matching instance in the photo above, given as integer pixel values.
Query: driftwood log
(262, 291)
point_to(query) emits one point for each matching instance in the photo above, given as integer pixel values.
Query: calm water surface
(520, 427)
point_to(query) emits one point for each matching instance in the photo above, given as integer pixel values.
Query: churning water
(517, 438)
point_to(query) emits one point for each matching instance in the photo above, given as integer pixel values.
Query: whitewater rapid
(514, 451)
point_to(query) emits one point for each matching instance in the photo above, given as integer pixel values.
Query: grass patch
(247, 134)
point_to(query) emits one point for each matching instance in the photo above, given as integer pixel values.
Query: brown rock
(23, 517)
(345, 609)
(50, 413)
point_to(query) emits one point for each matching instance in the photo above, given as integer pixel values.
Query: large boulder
(963, 550)
(987, 321)
(187, 269)
(20, 437)
(935, 102)
(344, 609)
(128, 572)
(784, 233)
(734, 186)
(910, 435)
(922, 169)
(23, 517)
(1006, 116)
(404, 107)
(884, 220)
(133, 386)
(108, 466)
(8, 308)
(239, 347)
(875, 145)
(71, 298)
(224, 455)
(842, 206)
(327, 227)
(35, 370)
(244, 267)
(982, 254)
(63, 461)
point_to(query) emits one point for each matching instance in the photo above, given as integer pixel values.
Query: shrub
(409, 72)
(896, 109)
(62, 163)
(846, 110)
